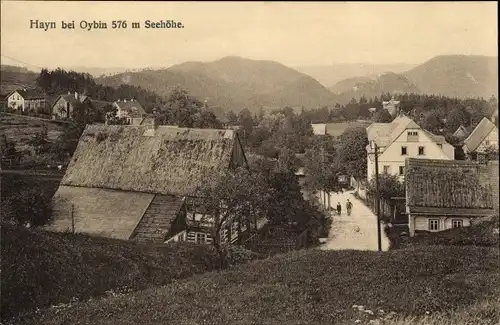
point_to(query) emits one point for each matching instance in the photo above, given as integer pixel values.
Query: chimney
(69, 92)
(125, 100)
(76, 95)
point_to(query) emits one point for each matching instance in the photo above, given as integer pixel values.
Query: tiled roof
(479, 134)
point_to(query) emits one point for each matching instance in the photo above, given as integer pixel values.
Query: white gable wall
(491, 140)
(392, 157)
(15, 100)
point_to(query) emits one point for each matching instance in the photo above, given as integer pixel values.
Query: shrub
(23, 203)
(239, 255)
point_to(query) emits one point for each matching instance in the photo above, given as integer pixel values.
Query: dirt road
(357, 231)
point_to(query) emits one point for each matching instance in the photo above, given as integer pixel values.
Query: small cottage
(27, 100)
(483, 138)
(444, 194)
(131, 110)
(140, 182)
(64, 105)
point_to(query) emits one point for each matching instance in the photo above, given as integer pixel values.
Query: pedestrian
(339, 209)
(348, 207)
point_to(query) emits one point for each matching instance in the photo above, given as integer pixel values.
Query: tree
(382, 116)
(7, 147)
(431, 122)
(207, 120)
(352, 151)
(389, 186)
(183, 107)
(40, 141)
(458, 116)
(233, 195)
(323, 169)
(232, 119)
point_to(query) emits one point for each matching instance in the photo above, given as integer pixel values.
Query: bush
(26, 202)
(238, 255)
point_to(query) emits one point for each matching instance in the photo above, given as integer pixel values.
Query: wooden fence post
(73, 218)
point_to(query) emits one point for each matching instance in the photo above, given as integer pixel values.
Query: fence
(275, 240)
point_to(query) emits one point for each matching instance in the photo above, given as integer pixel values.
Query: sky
(294, 34)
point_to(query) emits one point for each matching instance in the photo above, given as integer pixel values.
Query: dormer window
(412, 136)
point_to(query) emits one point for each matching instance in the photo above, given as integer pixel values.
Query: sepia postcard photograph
(249, 163)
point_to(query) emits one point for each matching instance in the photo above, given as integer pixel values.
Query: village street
(357, 231)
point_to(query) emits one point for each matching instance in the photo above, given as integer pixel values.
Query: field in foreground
(40, 269)
(314, 287)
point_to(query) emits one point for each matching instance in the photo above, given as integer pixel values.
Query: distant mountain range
(385, 83)
(457, 76)
(330, 75)
(235, 83)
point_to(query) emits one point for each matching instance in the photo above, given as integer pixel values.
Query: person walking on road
(339, 209)
(348, 207)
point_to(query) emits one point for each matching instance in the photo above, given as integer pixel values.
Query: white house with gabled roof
(401, 139)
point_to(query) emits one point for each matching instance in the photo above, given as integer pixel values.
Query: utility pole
(379, 237)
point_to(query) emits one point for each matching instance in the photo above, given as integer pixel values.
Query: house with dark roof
(131, 110)
(400, 139)
(64, 105)
(482, 139)
(27, 100)
(444, 194)
(392, 106)
(140, 182)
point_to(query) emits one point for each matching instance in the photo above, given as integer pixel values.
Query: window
(487, 142)
(201, 238)
(457, 223)
(421, 151)
(434, 224)
(387, 169)
(412, 133)
(404, 151)
(401, 170)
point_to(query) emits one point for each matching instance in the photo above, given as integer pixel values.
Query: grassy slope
(20, 128)
(40, 269)
(307, 287)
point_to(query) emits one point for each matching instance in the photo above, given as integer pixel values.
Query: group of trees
(270, 190)
(184, 110)
(60, 81)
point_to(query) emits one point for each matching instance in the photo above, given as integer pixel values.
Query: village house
(319, 128)
(445, 194)
(140, 183)
(392, 106)
(401, 139)
(462, 132)
(483, 138)
(27, 100)
(131, 110)
(65, 104)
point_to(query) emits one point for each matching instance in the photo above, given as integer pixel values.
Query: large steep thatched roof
(163, 160)
(448, 184)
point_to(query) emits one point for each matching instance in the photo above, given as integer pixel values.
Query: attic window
(404, 151)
